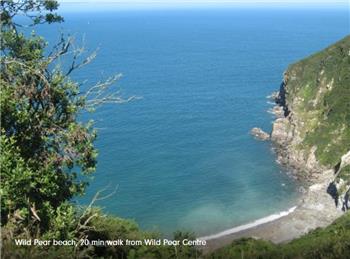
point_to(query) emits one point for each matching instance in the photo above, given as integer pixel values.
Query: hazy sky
(207, 1)
(197, 2)
(154, 4)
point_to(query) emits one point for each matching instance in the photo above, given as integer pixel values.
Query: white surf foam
(249, 225)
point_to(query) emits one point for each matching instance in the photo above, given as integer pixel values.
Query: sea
(179, 156)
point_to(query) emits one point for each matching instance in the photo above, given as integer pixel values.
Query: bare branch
(83, 223)
(100, 94)
(60, 48)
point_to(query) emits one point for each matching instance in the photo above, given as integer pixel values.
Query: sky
(205, 1)
(179, 3)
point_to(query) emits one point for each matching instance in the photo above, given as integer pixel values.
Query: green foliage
(245, 248)
(11, 251)
(45, 10)
(43, 145)
(104, 227)
(318, 88)
(91, 224)
(328, 243)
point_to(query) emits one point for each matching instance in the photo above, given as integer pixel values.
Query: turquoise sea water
(182, 156)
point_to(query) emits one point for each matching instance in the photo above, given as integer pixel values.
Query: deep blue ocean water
(182, 156)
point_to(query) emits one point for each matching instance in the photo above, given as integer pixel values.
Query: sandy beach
(315, 208)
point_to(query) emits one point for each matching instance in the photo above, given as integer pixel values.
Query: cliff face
(312, 129)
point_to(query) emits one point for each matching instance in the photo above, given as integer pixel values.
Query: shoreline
(249, 225)
(315, 208)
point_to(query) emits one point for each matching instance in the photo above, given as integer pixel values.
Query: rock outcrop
(341, 183)
(260, 134)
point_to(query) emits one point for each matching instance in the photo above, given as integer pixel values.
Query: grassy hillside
(328, 243)
(318, 94)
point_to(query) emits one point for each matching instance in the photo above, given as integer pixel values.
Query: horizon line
(146, 4)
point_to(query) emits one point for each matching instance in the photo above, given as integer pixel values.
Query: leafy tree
(44, 147)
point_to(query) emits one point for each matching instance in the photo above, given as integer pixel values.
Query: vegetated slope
(318, 90)
(315, 95)
(330, 242)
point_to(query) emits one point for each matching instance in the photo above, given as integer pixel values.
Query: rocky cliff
(312, 127)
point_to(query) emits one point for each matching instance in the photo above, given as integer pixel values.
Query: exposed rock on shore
(273, 96)
(341, 191)
(287, 138)
(312, 130)
(260, 134)
(277, 111)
